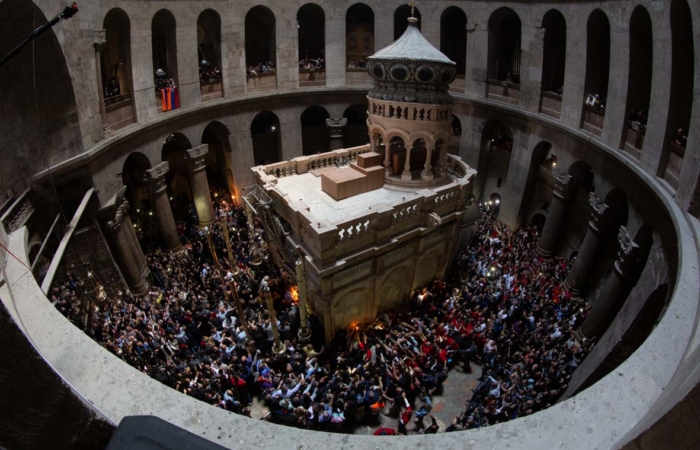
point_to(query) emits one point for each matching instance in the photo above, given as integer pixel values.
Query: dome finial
(413, 4)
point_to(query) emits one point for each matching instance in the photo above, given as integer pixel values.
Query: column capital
(600, 213)
(100, 40)
(120, 213)
(336, 126)
(563, 184)
(628, 254)
(156, 176)
(195, 157)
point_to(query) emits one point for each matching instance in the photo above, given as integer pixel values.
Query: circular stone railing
(597, 418)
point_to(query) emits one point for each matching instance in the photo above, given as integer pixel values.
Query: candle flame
(294, 290)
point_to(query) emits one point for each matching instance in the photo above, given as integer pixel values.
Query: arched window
(260, 49)
(209, 54)
(682, 85)
(359, 35)
(401, 16)
(164, 52)
(494, 156)
(504, 46)
(265, 132)
(554, 52)
(311, 22)
(116, 70)
(314, 132)
(597, 72)
(453, 37)
(638, 82)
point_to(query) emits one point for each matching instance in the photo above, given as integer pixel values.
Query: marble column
(200, 185)
(615, 290)
(441, 168)
(120, 244)
(406, 174)
(335, 128)
(100, 43)
(427, 174)
(161, 207)
(559, 209)
(598, 227)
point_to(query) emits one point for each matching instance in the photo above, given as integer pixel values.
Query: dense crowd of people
(361, 64)
(260, 68)
(209, 74)
(504, 310)
(312, 63)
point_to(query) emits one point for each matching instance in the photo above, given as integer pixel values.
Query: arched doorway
(494, 157)
(504, 46)
(177, 179)
(638, 82)
(453, 37)
(164, 52)
(682, 84)
(260, 39)
(116, 71)
(218, 159)
(597, 72)
(401, 16)
(314, 131)
(265, 133)
(209, 55)
(356, 132)
(359, 35)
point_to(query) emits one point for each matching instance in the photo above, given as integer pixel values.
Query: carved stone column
(100, 43)
(161, 207)
(427, 174)
(598, 227)
(616, 289)
(441, 168)
(120, 243)
(200, 185)
(335, 128)
(406, 174)
(561, 202)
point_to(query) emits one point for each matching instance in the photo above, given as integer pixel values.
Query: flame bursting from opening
(295, 293)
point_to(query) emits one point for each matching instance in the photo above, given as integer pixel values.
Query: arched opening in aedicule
(359, 35)
(504, 46)
(260, 40)
(597, 72)
(218, 159)
(638, 82)
(401, 16)
(453, 37)
(116, 70)
(177, 180)
(164, 53)
(314, 131)
(209, 54)
(356, 132)
(138, 192)
(494, 157)
(682, 84)
(265, 133)
(311, 25)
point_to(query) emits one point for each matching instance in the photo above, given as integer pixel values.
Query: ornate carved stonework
(156, 176)
(119, 216)
(563, 183)
(629, 253)
(195, 157)
(336, 126)
(600, 211)
(100, 39)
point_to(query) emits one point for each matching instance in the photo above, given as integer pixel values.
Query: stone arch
(428, 267)
(619, 207)
(352, 309)
(538, 220)
(359, 34)
(265, 133)
(260, 36)
(209, 54)
(638, 81)
(597, 70)
(314, 131)
(401, 15)
(504, 29)
(218, 159)
(394, 290)
(116, 69)
(311, 22)
(453, 37)
(554, 51)
(356, 132)
(494, 156)
(164, 47)
(138, 192)
(583, 176)
(177, 179)
(539, 154)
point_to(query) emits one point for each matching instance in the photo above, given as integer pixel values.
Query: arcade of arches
(539, 214)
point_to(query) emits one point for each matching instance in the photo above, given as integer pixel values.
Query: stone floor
(448, 402)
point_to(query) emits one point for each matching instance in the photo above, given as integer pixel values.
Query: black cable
(68, 12)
